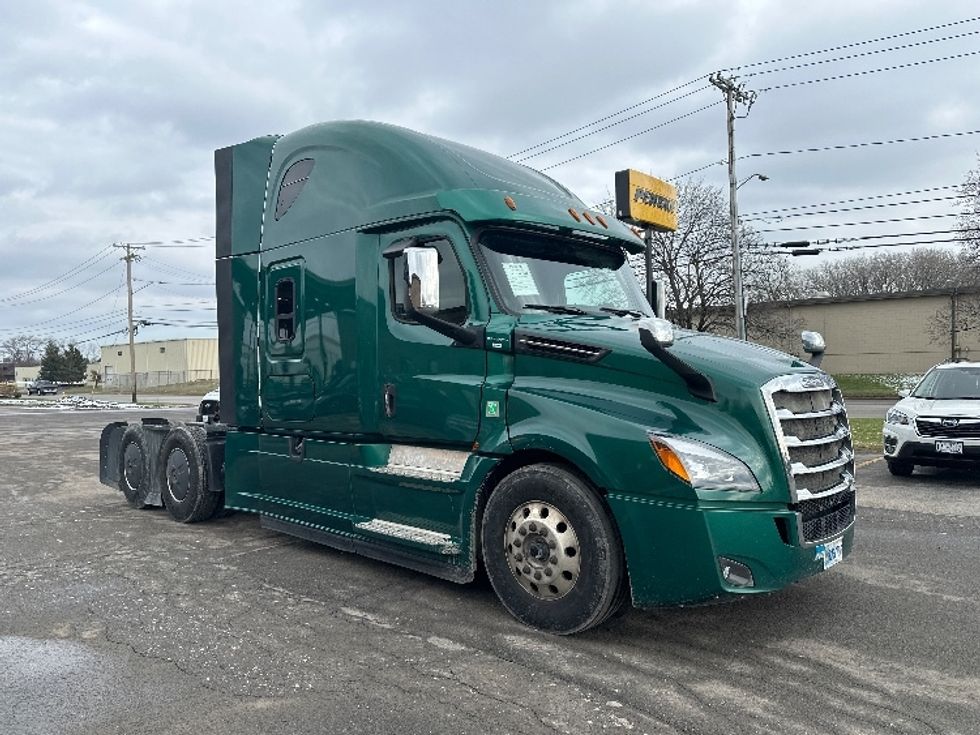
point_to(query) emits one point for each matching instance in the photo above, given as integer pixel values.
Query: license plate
(949, 447)
(831, 552)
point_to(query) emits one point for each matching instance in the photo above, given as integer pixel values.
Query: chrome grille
(810, 423)
(948, 426)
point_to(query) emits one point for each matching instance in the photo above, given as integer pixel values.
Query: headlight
(894, 416)
(703, 467)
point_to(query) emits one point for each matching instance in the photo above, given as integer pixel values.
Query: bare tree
(916, 270)
(969, 222)
(695, 265)
(22, 349)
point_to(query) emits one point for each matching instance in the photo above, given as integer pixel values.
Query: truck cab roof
(366, 175)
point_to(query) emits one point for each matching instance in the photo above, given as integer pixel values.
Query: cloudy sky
(110, 112)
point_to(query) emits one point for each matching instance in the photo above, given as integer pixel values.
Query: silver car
(938, 423)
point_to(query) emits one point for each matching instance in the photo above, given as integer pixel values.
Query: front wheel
(551, 551)
(900, 467)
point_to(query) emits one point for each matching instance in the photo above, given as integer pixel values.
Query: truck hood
(626, 383)
(961, 407)
(730, 364)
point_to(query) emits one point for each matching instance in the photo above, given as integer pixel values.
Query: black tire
(534, 587)
(900, 467)
(134, 467)
(184, 477)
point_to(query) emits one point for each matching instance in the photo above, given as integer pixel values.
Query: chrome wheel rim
(542, 550)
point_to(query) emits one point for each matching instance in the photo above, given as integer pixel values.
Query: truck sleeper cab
(439, 358)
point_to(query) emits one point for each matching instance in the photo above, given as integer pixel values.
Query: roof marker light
(511, 204)
(602, 221)
(574, 215)
(588, 218)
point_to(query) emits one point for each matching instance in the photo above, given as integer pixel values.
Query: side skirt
(370, 549)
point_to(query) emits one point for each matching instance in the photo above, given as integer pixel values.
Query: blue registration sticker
(830, 552)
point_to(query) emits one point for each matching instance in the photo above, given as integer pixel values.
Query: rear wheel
(184, 476)
(900, 467)
(134, 467)
(551, 551)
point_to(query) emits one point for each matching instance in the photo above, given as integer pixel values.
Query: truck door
(287, 386)
(430, 388)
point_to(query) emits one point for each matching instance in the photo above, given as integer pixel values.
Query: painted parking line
(869, 461)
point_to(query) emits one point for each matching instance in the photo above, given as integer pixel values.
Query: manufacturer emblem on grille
(812, 381)
(950, 422)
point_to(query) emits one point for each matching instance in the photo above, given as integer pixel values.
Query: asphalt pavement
(121, 621)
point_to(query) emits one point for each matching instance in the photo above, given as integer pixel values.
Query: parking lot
(121, 621)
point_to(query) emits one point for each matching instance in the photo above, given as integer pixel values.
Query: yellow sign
(646, 201)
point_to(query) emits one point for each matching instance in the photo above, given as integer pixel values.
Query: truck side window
(452, 286)
(285, 310)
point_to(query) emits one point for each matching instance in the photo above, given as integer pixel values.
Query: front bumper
(902, 442)
(673, 549)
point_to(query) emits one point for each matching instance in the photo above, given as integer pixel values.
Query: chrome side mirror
(422, 276)
(814, 345)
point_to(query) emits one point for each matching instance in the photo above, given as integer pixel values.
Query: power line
(65, 315)
(63, 291)
(927, 233)
(792, 57)
(75, 270)
(865, 72)
(610, 125)
(634, 135)
(612, 115)
(769, 89)
(753, 218)
(173, 283)
(174, 269)
(840, 147)
(856, 44)
(864, 144)
(856, 224)
(859, 199)
(862, 54)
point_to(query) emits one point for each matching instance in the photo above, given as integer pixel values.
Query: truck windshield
(544, 273)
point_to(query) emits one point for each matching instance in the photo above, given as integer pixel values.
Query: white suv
(938, 424)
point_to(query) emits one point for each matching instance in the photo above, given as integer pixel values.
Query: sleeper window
(285, 310)
(292, 184)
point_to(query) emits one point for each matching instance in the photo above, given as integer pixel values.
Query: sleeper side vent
(550, 347)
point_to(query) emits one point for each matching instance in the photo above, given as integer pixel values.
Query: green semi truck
(438, 358)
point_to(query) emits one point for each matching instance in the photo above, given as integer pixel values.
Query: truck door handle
(389, 400)
(297, 448)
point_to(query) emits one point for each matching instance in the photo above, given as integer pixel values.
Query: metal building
(162, 362)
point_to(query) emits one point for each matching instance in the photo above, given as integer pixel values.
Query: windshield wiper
(555, 309)
(623, 312)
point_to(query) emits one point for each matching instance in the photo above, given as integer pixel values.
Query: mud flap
(109, 445)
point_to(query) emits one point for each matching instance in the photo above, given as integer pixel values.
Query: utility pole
(734, 94)
(952, 322)
(129, 257)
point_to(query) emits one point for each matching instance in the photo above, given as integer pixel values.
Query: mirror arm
(461, 334)
(698, 384)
